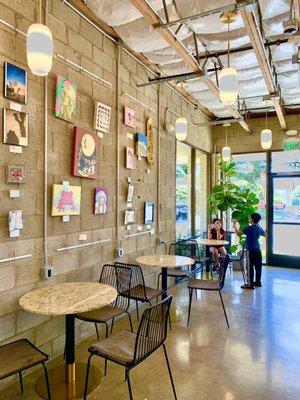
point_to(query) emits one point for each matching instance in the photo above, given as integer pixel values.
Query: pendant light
(266, 134)
(226, 152)
(181, 129)
(39, 47)
(228, 77)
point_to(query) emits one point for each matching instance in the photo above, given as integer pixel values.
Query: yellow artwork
(66, 200)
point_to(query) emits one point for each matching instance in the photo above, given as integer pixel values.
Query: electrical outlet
(120, 252)
(83, 237)
(161, 240)
(47, 272)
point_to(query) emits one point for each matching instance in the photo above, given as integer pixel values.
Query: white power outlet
(120, 252)
(47, 272)
(82, 237)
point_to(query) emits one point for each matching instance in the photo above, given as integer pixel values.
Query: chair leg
(87, 376)
(130, 321)
(224, 309)
(129, 385)
(137, 310)
(190, 304)
(170, 322)
(105, 366)
(112, 325)
(21, 382)
(96, 326)
(170, 372)
(47, 381)
(196, 294)
(106, 330)
(158, 281)
(105, 360)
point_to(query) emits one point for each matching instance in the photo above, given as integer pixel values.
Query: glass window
(201, 192)
(285, 161)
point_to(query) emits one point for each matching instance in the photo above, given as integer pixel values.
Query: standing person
(215, 231)
(253, 233)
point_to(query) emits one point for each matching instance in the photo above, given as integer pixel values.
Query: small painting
(15, 222)
(130, 157)
(101, 200)
(102, 115)
(130, 193)
(85, 153)
(148, 212)
(65, 102)
(15, 83)
(15, 127)
(141, 145)
(15, 174)
(129, 117)
(66, 200)
(129, 217)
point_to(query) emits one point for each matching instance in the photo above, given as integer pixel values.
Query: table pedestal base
(63, 390)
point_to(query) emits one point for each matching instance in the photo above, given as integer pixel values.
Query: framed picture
(148, 212)
(85, 153)
(15, 83)
(141, 145)
(101, 201)
(102, 115)
(15, 174)
(66, 200)
(65, 100)
(129, 216)
(149, 128)
(15, 222)
(130, 157)
(129, 117)
(130, 193)
(15, 127)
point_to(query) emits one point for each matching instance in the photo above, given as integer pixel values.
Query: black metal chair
(210, 285)
(139, 291)
(239, 258)
(130, 349)
(16, 357)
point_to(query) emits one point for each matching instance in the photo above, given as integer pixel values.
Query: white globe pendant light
(266, 134)
(181, 129)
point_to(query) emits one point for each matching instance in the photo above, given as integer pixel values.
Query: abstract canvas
(141, 145)
(65, 102)
(66, 200)
(15, 222)
(15, 174)
(129, 217)
(85, 153)
(15, 127)
(102, 115)
(129, 117)
(15, 83)
(101, 200)
(129, 157)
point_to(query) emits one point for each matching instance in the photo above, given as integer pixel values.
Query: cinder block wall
(75, 39)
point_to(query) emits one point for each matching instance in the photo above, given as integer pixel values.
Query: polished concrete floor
(257, 359)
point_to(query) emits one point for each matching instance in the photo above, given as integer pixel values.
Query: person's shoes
(248, 286)
(257, 284)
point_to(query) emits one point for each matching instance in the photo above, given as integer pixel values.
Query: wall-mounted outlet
(139, 228)
(161, 240)
(47, 272)
(82, 237)
(120, 252)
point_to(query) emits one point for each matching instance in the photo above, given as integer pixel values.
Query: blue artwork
(141, 144)
(15, 79)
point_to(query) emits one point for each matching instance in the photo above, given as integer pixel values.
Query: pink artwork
(129, 117)
(129, 157)
(66, 200)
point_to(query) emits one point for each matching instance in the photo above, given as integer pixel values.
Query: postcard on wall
(15, 222)
(85, 153)
(129, 117)
(129, 216)
(66, 200)
(15, 83)
(130, 157)
(130, 193)
(65, 101)
(101, 201)
(15, 174)
(15, 127)
(102, 116)
(148, 212)
(141, 145)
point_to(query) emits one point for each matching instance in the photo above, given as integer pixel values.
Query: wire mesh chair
(130, 349)
(139, 291)
(210, 285)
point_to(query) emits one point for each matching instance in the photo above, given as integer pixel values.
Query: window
(200, 192)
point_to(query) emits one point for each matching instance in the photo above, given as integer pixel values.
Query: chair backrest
(123, 277)
(108, 275)
(152, 330)
(137, 276)
(223, 269)
(187, 248)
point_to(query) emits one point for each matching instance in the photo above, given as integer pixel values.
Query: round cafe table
(208, 243)
(67, 381)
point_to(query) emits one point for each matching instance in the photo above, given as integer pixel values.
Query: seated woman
(215, 231)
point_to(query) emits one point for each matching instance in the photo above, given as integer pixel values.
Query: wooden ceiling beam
(297, 11)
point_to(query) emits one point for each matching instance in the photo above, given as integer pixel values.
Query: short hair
(256, 217)
(216, 219)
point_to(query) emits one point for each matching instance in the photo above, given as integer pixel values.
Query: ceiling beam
(263, 62)
(297, 11)
(154, 20)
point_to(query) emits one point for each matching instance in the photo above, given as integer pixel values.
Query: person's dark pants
(255, 260)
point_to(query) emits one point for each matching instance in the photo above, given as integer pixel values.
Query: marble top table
(68, 299)
(212, 242)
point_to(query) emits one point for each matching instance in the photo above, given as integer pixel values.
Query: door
(284, 220)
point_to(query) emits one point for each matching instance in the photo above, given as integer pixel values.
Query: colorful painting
(15, 83)
(15, 127)
(101, 200)
(15, 222)
(65, 102)
(102, 115)
(15, 174)
(129, 117)
(66, 200)
(149, 128)
(129, 216)
(130, 157)
(141, 145)
(85, 153)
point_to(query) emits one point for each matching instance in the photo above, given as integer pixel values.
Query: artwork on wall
(130, 157)
(130, 193)
(101, 200)
(129, 117)
(148, 212)
(141, 143)
(149, 129)
(15, 174)
(15, 127)
(15, 83)
(129, 216)
(15, 222)
(66, 200)
(85, 153)
(65, 101)
(102, 115)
